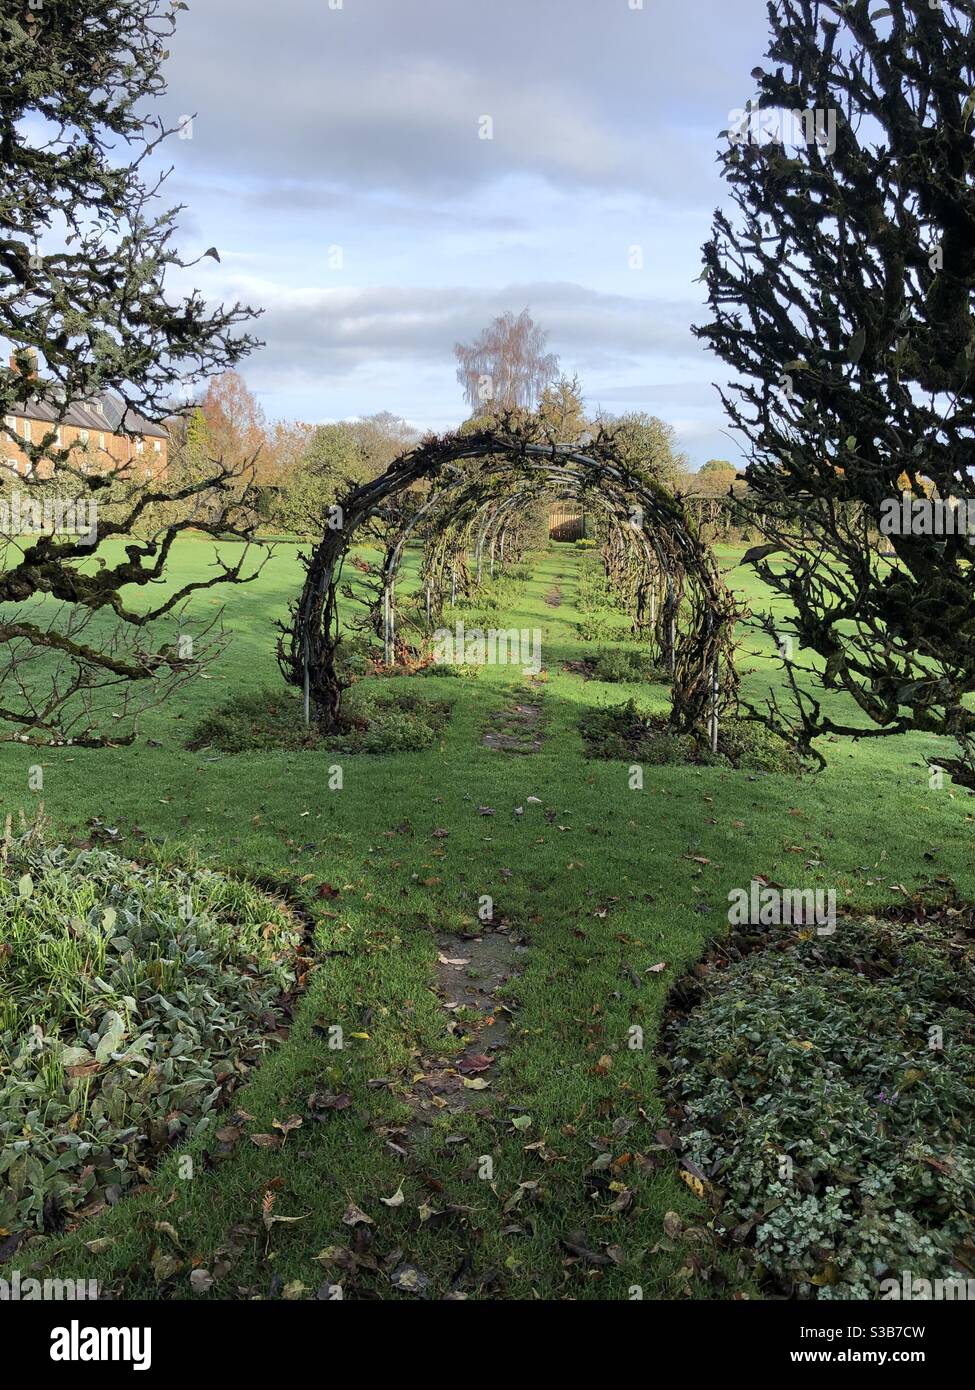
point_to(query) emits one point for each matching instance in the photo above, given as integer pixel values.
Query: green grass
(602, 881)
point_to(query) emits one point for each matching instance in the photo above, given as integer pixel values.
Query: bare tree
(85, 251)
(841, 290)
(507, 367)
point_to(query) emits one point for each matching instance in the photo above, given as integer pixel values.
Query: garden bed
(633, 735)
(134, 998)
(820, 1094)
(619, 665)
(376, 721)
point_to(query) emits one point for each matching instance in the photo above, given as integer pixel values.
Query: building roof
(106, 411)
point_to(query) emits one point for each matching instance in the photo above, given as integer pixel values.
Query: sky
(383, 177)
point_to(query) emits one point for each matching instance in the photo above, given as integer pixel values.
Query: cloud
(389, 94)
(340, 330)
(356, 124)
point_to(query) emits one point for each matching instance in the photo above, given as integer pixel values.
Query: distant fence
(566, 524)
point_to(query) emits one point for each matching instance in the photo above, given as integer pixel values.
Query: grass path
(554, 1188)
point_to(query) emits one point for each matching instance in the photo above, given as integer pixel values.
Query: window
(157, 447)
(101, 441)
(140, 445)
(83, 436)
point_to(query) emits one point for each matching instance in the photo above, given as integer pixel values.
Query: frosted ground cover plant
(133, 998)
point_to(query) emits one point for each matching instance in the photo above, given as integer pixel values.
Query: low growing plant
(602, 627)
(825, 1092)
(631, 734)
(619, 664)
(378, 720)
(134, 999)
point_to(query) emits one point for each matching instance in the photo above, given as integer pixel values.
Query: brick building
(101, 433)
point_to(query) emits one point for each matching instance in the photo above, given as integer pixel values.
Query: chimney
(15, 366)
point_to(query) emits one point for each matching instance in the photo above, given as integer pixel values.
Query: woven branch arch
(654, 553)
(634, 561)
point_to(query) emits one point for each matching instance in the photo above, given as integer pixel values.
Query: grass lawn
(599, 882)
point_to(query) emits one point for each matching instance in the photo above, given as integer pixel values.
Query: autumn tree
(649, 442)
(381, 438)
(507, 367)
(86, 257)
(715, 478)
(314, 465)
(562, 411)
(286, 444)
(237, 428)
(840, 286)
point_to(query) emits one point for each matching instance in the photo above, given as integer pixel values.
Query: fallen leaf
(355, 1216)
(673, 1225)
(575, 1243)
(286, 1126)
(164, 1266)
(479, 1062)
(409, 1279)
(695, 1184)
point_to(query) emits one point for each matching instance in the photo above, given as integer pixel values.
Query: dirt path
(518, 729)
(471, 970)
